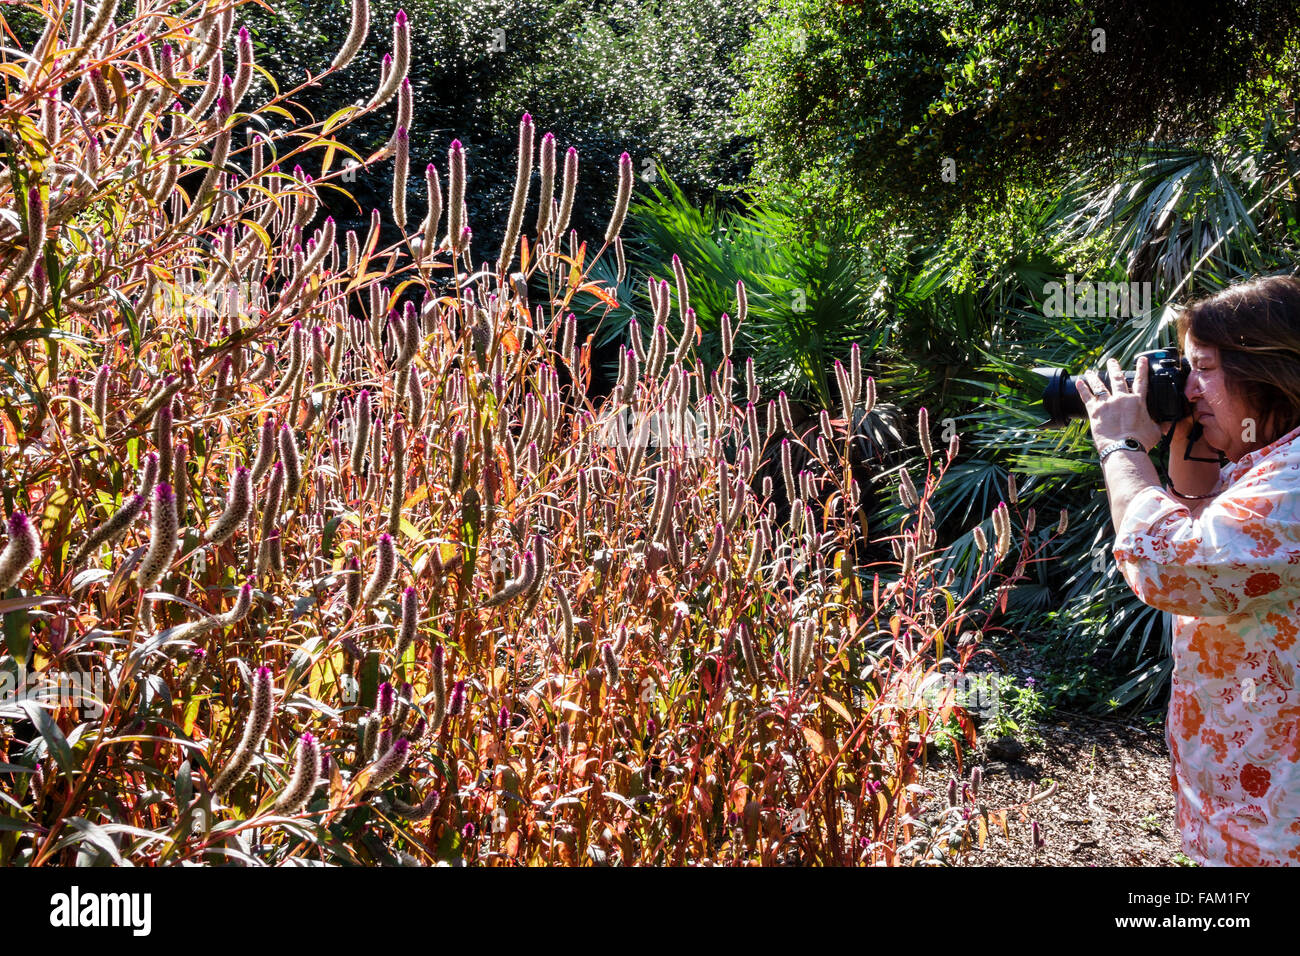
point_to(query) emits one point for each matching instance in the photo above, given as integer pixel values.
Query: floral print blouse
(1231, 579)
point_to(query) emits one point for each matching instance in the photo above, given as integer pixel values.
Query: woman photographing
(1220, 551)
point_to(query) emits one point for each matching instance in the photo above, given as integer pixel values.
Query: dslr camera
(1165, 400)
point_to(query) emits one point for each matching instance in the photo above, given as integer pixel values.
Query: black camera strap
(1192, 438)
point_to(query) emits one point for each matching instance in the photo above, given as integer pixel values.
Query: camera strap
(1192, 438)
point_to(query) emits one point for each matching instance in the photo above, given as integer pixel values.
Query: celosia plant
(355, 510)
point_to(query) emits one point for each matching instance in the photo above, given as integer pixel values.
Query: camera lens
(1060, 399)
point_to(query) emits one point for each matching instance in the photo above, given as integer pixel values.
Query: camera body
(1165, 399)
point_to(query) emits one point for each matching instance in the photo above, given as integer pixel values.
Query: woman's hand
(1115, 413)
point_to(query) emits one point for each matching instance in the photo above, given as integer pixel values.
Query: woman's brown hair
(1255, 326)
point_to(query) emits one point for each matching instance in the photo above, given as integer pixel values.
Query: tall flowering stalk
(523, 176)
(162, 538)
(22, 548)
(255, 731)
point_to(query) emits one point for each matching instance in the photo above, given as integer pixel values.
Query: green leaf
(54, 739)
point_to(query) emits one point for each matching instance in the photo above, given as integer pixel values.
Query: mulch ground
(1112, 804)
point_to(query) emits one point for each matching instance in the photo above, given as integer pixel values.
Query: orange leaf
(600, 293)
(510, 341)
(815, 740)
(839, 708)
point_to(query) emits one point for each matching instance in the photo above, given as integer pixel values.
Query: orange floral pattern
(1231, 579)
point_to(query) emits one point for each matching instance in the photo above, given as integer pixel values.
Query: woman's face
(1230, 426)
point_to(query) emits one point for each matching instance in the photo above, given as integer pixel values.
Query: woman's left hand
(1115, 412)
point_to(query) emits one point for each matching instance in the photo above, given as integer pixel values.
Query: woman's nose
(1193, 389)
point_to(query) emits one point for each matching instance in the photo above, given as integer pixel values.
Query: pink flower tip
(307, 740)
(401, 16)
(455, 145)
(385, 538)
(527, 120)
(163, 491)
(264, 672)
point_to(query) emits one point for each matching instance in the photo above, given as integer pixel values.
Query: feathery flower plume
(909, 557)
(180, 477)
(981, 541)
(306, 775)
(352, 582)
(274, 499)
(115, 526)
(401, 62)
(546, 162)
(458, 699)
(569, 341)
(787, 471)
(36, 220)
(1012, 494)
(361, 433)
(1063, 523)
(624, 196)
(459, 442)
(162, 537)
(516, 586)
(688, 336)
(397, 485)
(568, 193)
(239, 610)
(243, 67)
(907, 490)
(22, 548)
(100, 403)
(715, 548)
(429, 228)
(385, 568)
(263, 371)
(259, 722)
(401, 167)
(611, 663)
(523, 176)
(1031, 518)
(787, 420)
(954, 443)
(566, 623)
(421, 811)
(923, 432)
(439, 690)
(265, 450)
(658, 352)
(390, 764)
(683, 291)
(239, 504)
(74, 405)
(455, 193)
(292, 463)
(356, 34)
(410, 615)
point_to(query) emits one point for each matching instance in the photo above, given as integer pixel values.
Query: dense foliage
(653, 78)
(878, 98)
(299, 571)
